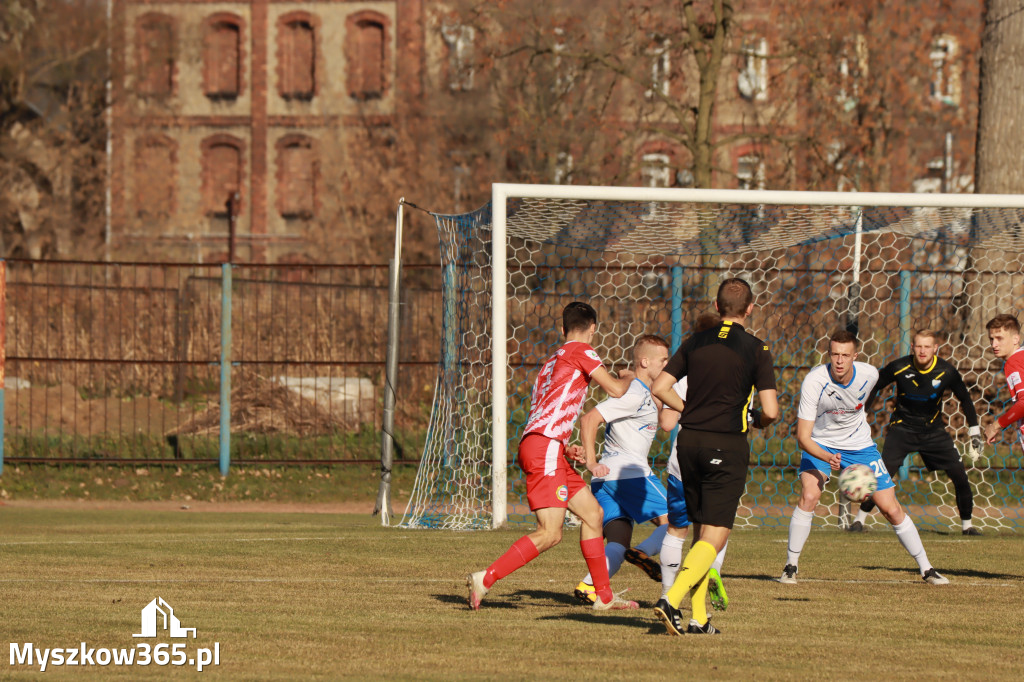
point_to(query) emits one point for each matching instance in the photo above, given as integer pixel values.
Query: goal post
(649, 260)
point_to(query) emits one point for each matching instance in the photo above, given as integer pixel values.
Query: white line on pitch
(135, 541)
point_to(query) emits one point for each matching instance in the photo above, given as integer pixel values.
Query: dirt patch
(59, 410)
(162, 505)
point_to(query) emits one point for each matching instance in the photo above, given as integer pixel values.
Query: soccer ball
(857, 482)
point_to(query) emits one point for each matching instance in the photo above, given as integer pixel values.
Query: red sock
(593, 552)
(522, 552)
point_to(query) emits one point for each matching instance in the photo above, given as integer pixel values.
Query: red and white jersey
(1014, 371)
(560, 390)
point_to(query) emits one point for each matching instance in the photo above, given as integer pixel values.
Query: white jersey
(673, 464)
(632, 422)
(837, 410)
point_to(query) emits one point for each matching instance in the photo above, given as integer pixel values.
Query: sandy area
(159, 505)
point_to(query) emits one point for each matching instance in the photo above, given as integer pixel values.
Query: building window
(655, 170)
(366, 45)
(659, 68)
(750, 172)
(460, 40)
(752, 80)
(155, 55)
(155, 159)
(222, 43)
(563, 169)
(945, 87)
(296, 56)
(296, 177)
(221, 173)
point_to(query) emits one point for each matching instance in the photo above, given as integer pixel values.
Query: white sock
(671, 556)
(652, 545)
(967, 523)
(908, 536)
(799, 531)
(862, 516)
(717, 563)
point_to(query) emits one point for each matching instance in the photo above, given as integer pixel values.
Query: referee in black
(917, 425)
(723, 366)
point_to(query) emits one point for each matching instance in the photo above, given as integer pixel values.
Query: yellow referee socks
(698, 599)
(694, 569)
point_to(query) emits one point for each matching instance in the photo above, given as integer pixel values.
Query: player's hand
(599, 470)
(627, 374)
(976, 445)
(754, 418)
(576, 454)
(992, 432)
(835, 460)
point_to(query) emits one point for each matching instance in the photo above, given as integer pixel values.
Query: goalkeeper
(922, 381)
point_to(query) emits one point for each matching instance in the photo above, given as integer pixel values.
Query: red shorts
(550, 480)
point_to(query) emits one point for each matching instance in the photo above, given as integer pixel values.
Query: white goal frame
(502, 192)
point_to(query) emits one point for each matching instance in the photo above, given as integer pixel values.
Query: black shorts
(934, 445)
(713, 467)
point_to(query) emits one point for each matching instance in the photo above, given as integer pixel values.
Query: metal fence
(131, 362)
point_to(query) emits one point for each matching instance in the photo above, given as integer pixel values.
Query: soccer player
(671, 554)
(724, 366)
(832, 430)
(922, 381)
(552, 485)
(1004, 338)
(622, 481)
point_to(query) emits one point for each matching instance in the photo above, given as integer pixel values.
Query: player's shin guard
(593, 552)
(670, 557)
(908, 536)
(522, 552)
(694, 569)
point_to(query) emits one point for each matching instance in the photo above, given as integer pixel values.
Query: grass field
(318, 596)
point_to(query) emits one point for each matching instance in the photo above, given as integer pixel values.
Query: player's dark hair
(706, 321)
(734, 297)
(1004, 321)
(648, 340)
(843, 336)
(577, 317)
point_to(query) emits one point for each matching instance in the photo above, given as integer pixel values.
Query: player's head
(926, 344)
(842, 353)
(1003, 335)
(735, 299)
(706, 321)
(579, 317)
(650, 355)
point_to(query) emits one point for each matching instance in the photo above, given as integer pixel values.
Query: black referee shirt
(920, 392)
(723, 366)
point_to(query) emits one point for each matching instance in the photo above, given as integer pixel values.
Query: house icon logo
(158, 614)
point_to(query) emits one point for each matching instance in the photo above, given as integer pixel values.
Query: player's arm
(1014, 414)
(663, 391)
(959, 389)
(886, 376)
(804, 429)
(616, 387)
(769, 411)
(668, 418)
(590, 422)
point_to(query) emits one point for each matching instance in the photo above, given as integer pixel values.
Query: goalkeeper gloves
(976, 445)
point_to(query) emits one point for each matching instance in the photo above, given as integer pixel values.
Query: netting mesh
(648, 267)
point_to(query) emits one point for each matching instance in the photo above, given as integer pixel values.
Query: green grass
(305, 596)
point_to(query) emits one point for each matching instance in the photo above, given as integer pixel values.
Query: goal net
(649, 261)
